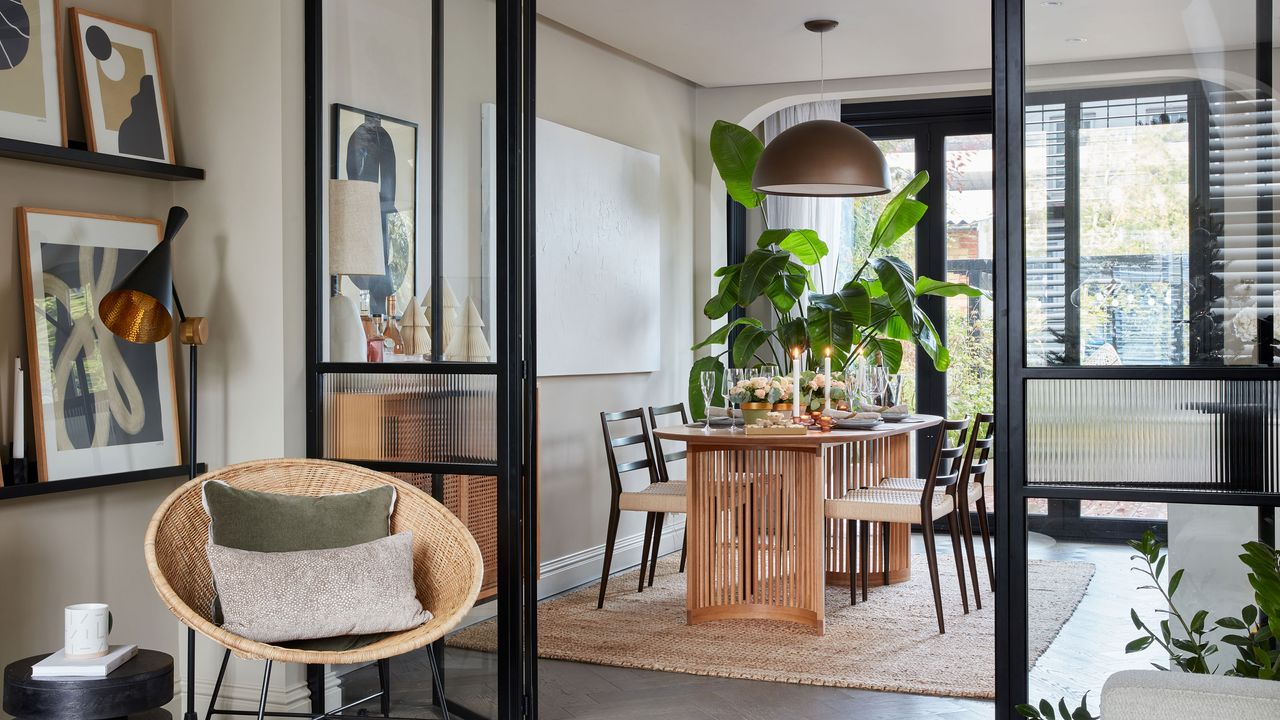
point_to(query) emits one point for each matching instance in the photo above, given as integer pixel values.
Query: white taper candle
(19, 430)
(795, 382)
(826, 385)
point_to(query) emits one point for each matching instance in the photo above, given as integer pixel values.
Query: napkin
(838, 414)
(867, 416)
(716, 411)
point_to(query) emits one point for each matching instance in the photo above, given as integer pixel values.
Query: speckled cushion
(275, 597)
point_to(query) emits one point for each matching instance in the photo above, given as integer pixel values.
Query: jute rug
(890, 643)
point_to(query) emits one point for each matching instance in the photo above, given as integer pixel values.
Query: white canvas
(598, 238)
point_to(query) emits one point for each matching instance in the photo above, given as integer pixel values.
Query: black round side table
(136, 690)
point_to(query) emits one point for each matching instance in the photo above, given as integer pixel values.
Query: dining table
(759, 545)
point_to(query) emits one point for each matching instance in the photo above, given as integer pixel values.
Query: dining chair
(890, 505)
(972, 490)
(664, 475)
(654, 499)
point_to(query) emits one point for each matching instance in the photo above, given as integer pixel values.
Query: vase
(783, 407)
(754, 411)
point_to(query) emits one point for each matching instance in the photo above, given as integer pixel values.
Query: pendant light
(821, 158)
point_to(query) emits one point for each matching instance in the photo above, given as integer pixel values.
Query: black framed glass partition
(418, 279)
(1135, 297)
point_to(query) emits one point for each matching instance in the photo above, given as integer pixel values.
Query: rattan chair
(447, 565)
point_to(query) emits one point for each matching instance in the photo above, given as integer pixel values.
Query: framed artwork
(121, 88)
(99, 404)
(378, 148)
(31, 104)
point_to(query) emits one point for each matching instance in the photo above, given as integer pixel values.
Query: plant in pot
(870, 316)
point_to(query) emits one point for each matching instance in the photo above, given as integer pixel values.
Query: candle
(19, 431)
(826, 385)
(795, 382)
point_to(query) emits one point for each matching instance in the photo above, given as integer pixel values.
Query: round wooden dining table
(759, 545)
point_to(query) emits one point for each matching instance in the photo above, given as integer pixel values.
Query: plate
(856, 424)
(895, 417)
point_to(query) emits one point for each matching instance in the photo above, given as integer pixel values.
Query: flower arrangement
(761, 390)
(813, 389)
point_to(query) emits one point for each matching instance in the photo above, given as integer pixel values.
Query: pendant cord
(822, 67)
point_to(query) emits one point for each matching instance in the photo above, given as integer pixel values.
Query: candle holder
(824, 423)
(16, 471)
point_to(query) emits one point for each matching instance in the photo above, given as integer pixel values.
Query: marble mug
(85, 629)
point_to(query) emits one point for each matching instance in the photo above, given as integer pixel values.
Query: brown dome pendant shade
(821, 158)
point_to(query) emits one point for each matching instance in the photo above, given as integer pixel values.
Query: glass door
(418, 347)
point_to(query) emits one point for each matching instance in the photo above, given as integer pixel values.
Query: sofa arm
(1157, 695)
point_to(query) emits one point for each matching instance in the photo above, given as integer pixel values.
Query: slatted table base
(759, 546)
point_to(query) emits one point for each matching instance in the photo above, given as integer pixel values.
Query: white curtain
(819, 214)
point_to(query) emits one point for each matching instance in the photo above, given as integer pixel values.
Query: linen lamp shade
(355, 229)
(821, 158)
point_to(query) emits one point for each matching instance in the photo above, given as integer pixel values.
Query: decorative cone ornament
(415, 329)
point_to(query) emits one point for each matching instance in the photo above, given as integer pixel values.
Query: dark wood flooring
(1079, 660)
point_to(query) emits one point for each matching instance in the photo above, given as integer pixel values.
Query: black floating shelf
(78, 156)
(9, 492)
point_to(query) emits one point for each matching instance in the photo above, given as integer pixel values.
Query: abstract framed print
(382, 149)
(121, 88)
(31, 103)
(100, 404)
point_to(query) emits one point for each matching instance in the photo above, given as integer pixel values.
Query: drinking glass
(769, 370)
(708, 380)
(733, 376)
(894, 390)
(877, 382)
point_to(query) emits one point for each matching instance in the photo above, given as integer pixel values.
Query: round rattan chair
(447, 565)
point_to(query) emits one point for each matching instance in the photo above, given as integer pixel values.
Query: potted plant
(871, 315)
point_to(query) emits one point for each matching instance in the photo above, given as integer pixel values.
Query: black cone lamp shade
(140, 307)
(821, 158)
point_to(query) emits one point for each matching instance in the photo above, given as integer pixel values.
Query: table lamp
(140, 309)
(355, 248)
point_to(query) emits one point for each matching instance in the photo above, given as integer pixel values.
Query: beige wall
(594, 89)
(233, 71)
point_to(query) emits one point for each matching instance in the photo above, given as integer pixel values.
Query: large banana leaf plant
(871, 316)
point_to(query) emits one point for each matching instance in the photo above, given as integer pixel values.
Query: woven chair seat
(447, 565)
(882, 505)
(662, 497)
(917, 485)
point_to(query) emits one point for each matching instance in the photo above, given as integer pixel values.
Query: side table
(136, 690)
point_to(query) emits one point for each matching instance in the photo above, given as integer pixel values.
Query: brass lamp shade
(140, 307)
(821, 158)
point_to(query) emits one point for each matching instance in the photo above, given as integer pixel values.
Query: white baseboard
(245, 696)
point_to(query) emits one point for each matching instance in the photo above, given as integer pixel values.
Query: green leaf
(1249, 613)
(852, 298)
(901, 222)
(945, 288)
(1137, 622)
(1138, 645)
(1174, 581)
(890, 352)
(785, 289)
(696, 407)
(1027, 711)
(1197, 621)
(735, 151)
(805, 246)
(1231, 623)
(1046, 709)
(721, 336)
(760, 267)
(792, 334)
(1082, 712)
(830, 329)
(727, 296)
(1063, 710)
(746, 344)
(891, 208)
(1160, 565)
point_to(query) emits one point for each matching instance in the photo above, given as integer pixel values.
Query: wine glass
(893, 393)
(877, 382)
(769, 370)
(733, 376)
(708, 381)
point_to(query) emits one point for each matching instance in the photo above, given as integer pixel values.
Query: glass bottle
(377, 341)
(395, 342)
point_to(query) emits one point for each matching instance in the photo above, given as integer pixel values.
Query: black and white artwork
(30, 77)
(381, 149)
(101, 404)
(124, 106)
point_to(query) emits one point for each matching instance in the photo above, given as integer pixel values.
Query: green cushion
(271, 522)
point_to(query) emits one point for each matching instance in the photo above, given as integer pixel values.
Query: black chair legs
(986, 541)
(266, 683)
(953, 526)
(649, 522)
(864, 538)
(611, 537)
(657, 542)
(438, 682)
(851, 532)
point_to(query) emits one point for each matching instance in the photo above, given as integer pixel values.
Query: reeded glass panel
(1081, 592)
(474, 499)
(410, 418)
(1187, 434)
(1149, 187)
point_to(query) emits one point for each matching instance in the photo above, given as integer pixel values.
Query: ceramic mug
(85, 629)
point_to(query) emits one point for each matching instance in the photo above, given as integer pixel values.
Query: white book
(59, 665)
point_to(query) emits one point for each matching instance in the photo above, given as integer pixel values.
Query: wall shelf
(9, 492)
(79, 156)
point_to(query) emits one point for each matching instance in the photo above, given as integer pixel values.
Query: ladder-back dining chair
(936, 499)
(972, 490)
(655, 498)
(664, 475)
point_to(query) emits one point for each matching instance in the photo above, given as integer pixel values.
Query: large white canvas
(598, 237)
